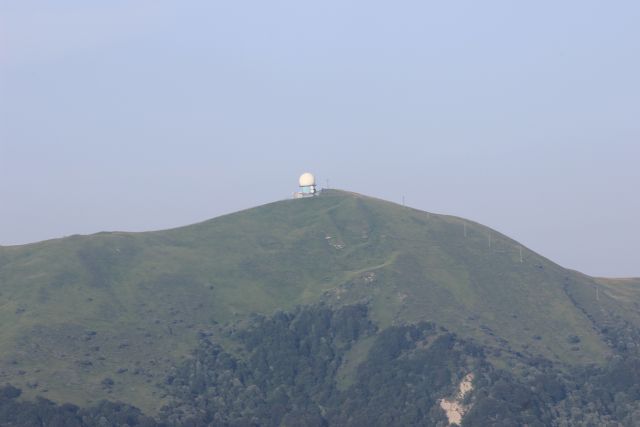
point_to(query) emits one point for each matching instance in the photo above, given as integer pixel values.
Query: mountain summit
(86, 317)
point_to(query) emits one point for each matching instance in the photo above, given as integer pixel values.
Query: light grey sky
(524, 116)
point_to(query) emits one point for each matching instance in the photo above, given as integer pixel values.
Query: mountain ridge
(83, 308)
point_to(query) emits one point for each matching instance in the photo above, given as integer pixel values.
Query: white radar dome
(307, 179)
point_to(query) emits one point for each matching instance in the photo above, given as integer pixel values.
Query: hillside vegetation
(106, 316)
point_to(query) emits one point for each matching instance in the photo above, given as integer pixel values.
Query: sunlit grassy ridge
(126, 306)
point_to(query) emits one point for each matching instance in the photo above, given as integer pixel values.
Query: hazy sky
(524, 116)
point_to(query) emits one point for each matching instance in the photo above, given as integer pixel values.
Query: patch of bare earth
(454, 408)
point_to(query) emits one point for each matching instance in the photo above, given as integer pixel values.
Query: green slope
(127, 306)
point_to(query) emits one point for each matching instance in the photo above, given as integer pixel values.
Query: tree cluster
(320, 366)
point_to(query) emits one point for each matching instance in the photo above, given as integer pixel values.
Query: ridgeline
(111, 315)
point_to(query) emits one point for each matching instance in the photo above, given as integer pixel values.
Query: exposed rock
(455, 408)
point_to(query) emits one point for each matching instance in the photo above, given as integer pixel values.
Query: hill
(91, 317)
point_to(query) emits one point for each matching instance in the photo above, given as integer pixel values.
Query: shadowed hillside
(89, 317)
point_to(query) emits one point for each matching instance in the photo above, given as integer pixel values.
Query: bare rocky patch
(455, 408)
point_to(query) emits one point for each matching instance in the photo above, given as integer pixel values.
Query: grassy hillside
(89, 316)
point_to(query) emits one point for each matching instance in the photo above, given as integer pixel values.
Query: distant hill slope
(80, 312)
